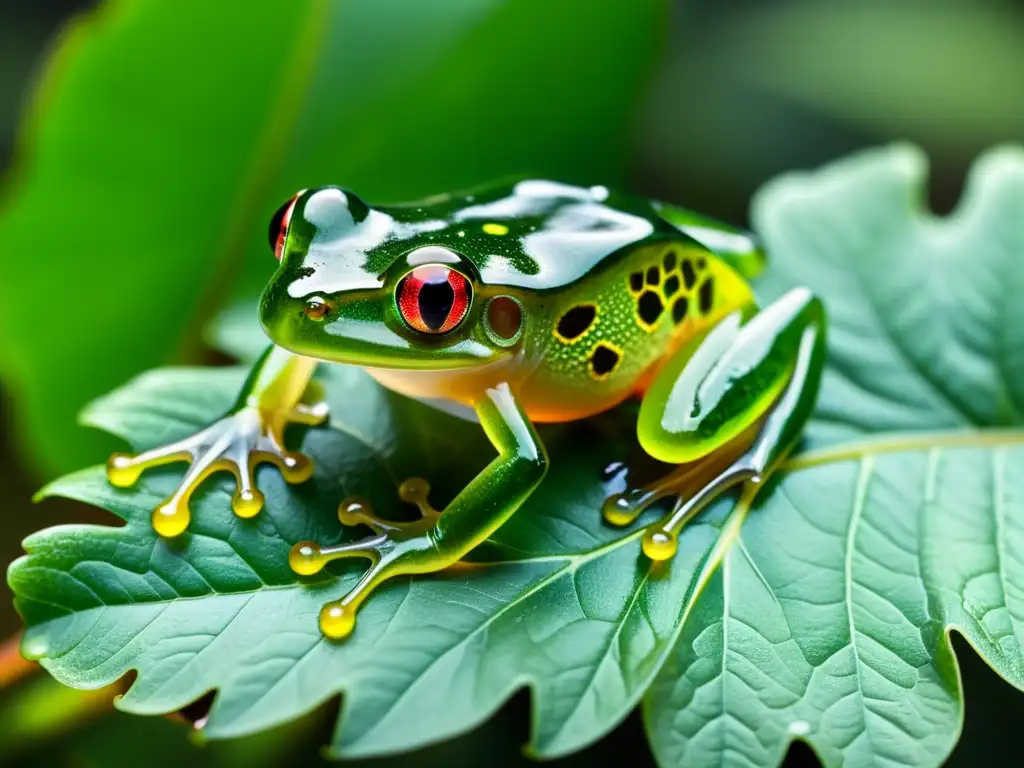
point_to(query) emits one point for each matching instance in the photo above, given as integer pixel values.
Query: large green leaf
(163, 131)
(829, 617)
(900, 519)
(559, 604)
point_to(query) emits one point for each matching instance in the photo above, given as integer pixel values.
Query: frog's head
(356, 285)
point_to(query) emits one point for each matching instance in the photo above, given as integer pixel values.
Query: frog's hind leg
(731, 408)
(622, 509)
(438, 539)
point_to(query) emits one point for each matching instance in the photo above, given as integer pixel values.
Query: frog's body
(528, 302)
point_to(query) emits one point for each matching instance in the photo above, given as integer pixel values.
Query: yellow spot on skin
(495, 229)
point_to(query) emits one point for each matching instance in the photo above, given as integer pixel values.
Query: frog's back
(612, 283)
(603, 338)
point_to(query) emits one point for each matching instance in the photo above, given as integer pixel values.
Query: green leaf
(899, 520)
(829, 617)
(148, 166)
(557, 602)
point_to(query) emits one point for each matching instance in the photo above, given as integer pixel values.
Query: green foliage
(825, 617)
(145, 160)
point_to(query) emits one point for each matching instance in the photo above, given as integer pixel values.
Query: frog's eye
(279, 226)
(434, 298)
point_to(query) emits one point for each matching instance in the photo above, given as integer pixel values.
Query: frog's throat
(464, 385)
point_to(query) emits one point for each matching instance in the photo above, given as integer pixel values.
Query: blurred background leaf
(162, 131)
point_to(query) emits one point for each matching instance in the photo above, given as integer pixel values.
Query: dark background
(746, 89)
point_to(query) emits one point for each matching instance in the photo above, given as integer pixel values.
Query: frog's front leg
(437, 541)
(727, 407)
(251, 433)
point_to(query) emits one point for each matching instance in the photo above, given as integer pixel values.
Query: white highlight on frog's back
(337, 252)
(678, 414)
(719, 240)
(533, 197)
(728, 353)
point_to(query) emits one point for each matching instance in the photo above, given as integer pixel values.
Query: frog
(523, 302)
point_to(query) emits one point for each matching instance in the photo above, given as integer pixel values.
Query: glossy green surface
(526, 238)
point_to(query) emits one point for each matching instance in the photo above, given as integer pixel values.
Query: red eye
(433, 298)
(279, 226)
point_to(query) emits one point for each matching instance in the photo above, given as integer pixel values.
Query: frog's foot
(775, 437)
(396, 549)
(415, 490)
(622, 509)
(237, 443)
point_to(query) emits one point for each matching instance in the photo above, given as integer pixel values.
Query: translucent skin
(564, 301)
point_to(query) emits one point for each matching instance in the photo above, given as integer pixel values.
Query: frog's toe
(238, 443)
(124, 469)
(295, 467)
(621, 509)
(358, 511)
(337, 619)
(416, 490)
(408, 548)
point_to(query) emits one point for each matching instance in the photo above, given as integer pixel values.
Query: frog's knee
(726, 384)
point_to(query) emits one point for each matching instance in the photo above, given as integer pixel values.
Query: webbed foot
(397, 548)
(236, 443)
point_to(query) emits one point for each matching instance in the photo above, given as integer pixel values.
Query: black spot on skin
(702, 263)
(707, 295)
(649, 306)
(671, 286)
(636, 281)
(576, 321)
(653, 277)
(670, 261)
(679, 310)
(689, 275)
(603, 360)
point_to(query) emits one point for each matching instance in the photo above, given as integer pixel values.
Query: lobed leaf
(829, 618)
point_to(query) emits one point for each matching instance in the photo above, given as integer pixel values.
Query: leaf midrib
(903, 442)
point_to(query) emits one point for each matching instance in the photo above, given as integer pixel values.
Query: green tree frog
(528, 302)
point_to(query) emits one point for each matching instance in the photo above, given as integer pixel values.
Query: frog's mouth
(348, 337)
